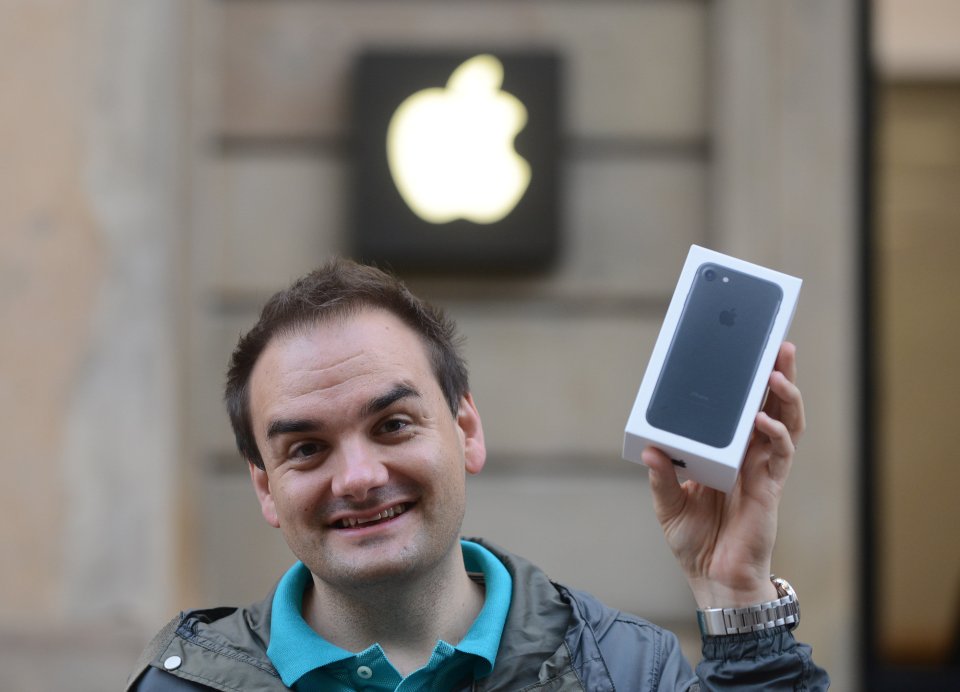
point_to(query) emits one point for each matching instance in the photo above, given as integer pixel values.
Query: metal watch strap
(784, 610)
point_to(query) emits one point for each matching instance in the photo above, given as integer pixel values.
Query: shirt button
(172, 663)
(364, 672)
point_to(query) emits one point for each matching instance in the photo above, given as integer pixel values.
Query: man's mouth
(389, 513)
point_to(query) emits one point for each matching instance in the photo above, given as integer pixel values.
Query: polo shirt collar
(296, 649)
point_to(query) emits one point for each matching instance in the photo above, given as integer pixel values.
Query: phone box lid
(715, 467)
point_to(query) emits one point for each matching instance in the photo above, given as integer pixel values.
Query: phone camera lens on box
(709, 275)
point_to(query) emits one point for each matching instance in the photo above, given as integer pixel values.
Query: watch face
(785, 590)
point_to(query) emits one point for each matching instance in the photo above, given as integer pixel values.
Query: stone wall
(188, 158)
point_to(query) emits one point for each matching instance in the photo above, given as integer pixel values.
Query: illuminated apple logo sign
(451, 150)
(455, 160)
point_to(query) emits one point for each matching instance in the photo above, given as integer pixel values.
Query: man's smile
(354, 521)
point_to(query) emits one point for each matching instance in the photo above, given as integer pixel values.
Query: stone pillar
(90, 208)
(784, 193)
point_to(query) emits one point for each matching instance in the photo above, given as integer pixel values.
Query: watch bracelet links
(753, 618)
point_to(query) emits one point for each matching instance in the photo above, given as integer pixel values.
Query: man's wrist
(713, 595)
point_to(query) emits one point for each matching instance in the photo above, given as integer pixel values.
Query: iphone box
(708, 373)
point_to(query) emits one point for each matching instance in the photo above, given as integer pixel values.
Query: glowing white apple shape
(450, 150)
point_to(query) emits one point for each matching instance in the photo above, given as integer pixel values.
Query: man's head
(335, 291)
(350, 402)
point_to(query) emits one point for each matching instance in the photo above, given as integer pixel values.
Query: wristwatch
(784, 610)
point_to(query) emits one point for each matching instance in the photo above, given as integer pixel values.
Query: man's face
(364, 463)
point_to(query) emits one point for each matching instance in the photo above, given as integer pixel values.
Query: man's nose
(358, 470)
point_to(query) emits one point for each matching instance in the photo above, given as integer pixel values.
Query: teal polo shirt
(307, 662)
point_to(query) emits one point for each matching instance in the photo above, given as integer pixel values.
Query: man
(350, 403)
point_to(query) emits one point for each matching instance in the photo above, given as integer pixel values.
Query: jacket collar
(549, 638)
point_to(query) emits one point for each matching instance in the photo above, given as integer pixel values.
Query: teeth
(389, 513)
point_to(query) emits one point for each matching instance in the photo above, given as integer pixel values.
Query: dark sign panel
(456, 160)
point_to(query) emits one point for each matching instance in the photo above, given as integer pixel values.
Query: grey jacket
(555, 640)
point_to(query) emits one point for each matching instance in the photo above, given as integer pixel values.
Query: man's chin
(361, 567)
(357, 566)
(366, 575)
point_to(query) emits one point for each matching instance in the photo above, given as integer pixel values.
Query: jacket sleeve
(768, 660)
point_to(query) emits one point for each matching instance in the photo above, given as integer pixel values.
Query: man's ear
(261, 484)
(471, 433)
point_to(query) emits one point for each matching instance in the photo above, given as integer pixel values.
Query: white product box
(708, 373)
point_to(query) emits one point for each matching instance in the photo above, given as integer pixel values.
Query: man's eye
(307, 449)
(394, 425)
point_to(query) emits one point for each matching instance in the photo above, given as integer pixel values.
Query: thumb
(668, 495)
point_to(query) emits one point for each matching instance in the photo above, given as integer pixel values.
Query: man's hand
(724, 542)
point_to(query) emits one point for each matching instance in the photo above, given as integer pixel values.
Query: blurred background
(165, 165)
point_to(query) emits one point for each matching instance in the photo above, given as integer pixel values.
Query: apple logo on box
(728, 317)
(455, 159)
(451, 151)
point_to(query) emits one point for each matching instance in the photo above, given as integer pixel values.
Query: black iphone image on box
(714, 355)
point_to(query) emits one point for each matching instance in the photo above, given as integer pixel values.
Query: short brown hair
(338, 289)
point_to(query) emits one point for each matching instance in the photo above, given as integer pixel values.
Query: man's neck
(406, 617)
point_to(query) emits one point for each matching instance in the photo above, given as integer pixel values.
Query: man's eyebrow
(400, 391)
(375, 405)
(280, 427)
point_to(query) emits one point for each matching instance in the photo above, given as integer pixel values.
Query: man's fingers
(782, 447)
(788, 404)
(787, 360)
